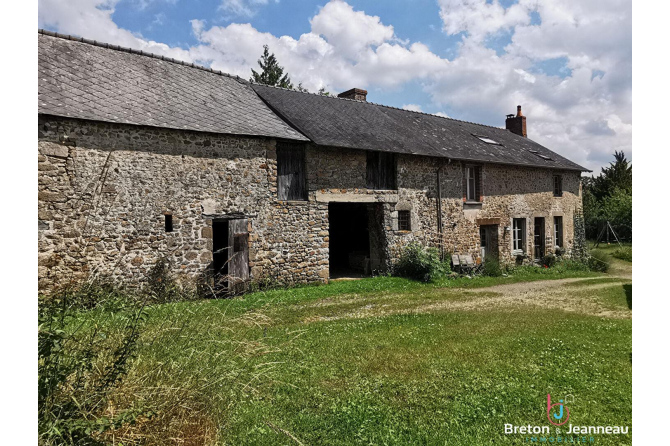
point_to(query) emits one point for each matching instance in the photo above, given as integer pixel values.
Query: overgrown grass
(372, 361)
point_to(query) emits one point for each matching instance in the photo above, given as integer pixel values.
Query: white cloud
(479, 18)
(581, 116)
(412, 107)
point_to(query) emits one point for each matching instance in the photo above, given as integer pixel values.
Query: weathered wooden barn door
(238, 263)
(291, 184)
(538, 237)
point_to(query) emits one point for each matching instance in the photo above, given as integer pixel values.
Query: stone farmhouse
(143, 157)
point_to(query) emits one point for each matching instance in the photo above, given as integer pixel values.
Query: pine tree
(271, 72)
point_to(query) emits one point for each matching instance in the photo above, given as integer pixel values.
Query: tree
(609, 197)
(271, 72)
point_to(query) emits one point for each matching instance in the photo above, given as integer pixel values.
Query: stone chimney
(517, 124)
(355, 93)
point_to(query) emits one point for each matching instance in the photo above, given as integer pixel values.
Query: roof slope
(83, 79)
(338, 122)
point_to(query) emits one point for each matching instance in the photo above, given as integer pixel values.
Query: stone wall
(104, 190)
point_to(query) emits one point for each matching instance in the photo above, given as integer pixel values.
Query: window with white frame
(558, 232)
(518, 235)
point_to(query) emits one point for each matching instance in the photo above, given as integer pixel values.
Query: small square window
(558, 186)
(168, 223)
(404, 221)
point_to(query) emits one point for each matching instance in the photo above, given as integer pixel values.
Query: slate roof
(79, 78)
(338, 122)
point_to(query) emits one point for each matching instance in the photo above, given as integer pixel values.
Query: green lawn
(385, 361)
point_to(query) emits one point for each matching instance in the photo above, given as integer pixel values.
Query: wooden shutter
(381, 171)
(291, 184)
(238, 248)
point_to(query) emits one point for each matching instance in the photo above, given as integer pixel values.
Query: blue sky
(567, 62)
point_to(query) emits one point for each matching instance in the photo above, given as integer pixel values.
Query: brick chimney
(516, 124)
(355, 93)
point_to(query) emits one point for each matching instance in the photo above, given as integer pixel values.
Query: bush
(549, 260)
(161, 286)
(419, 263)
(491, 267)
(598, 261)
(559, 251)
(624, 253)
(79, 367)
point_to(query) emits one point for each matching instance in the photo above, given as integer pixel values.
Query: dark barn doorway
(349, 239)
(230, 255)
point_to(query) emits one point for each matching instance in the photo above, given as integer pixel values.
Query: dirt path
(572, 295)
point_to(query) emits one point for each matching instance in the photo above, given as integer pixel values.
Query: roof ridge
(124, 49)
(374, 103)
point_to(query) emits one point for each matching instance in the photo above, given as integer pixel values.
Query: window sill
(293, 202)
(403, 232)
(472, 205)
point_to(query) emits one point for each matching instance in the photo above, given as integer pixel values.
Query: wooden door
(538, 237)
(488, 236)
(238, 246)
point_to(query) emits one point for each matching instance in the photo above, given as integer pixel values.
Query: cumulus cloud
(584, 113)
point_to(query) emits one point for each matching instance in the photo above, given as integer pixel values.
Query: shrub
(79, 367)
(624, 253)
(491, 267)
(161, 286)
(419, 263)
(549, 260)
(559, 251)
(598, 261)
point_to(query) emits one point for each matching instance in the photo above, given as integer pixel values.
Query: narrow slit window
(404, 221)
(168, 223)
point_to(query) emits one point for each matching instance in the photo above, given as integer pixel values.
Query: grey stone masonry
(104, 190)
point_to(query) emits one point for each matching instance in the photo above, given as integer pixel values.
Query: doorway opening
(220, 255)
(230, 255)
(488, 236)
(538, 237)
(356, 242)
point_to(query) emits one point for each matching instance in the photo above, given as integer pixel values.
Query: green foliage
(161, 286)
(599, 261)
(491, 267)
(419, 263)
(579, 249)
(77, 369)
(549, 260)
(609, 197)
(271, 72)
(624, 253)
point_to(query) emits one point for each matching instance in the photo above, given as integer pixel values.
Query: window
(291, 172)
(168, 223)
(472, 183)
(558, 186)
(519, 235)
(404, 221)
(558, 232)
(488, 140)
(381, 171)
